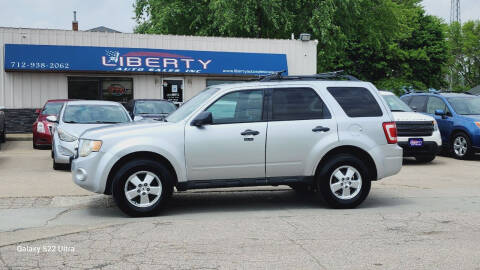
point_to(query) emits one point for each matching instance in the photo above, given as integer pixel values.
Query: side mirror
(52, 119)
(203, 118)
(137, 118)
(441, 113)
(38, 111)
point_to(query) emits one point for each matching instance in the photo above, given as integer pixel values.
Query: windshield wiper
(106, 122)
(398, 111)
(71, 122)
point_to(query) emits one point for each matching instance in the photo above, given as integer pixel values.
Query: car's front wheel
(461, 146)
(344, 181)
(141, 187)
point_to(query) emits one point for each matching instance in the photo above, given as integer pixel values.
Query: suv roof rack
(334, 75)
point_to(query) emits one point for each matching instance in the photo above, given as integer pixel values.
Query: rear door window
(418, 103)
(297, 104)
(356, 101)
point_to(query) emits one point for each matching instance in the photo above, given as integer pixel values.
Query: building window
(118, 89)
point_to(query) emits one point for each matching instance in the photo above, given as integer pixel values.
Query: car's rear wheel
(461, 146)
(344, 181)
(141, 187)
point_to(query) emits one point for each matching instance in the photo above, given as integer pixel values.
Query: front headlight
(40, 127)
(435, 125)
(88, 146)
(65, 136)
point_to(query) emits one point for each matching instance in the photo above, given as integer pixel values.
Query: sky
(118, 14)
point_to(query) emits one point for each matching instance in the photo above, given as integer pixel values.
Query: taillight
(390, 129)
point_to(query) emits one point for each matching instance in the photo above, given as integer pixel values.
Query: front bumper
(63, 151)
(427, 149)
(91, 172)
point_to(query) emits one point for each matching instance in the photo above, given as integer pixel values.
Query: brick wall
(19, 120)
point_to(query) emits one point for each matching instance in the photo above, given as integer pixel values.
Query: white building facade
(40, 64)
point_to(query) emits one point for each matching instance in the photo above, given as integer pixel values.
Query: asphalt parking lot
(426, 217)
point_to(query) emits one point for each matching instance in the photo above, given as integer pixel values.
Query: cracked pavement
(426, 217)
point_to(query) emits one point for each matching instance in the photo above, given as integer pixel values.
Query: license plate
(415, 142)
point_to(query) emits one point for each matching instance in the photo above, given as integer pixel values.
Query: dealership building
(43, 64)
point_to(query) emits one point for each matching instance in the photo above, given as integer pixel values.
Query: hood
(471, 117)
(411, 116)
(78, 129)
(122, 129)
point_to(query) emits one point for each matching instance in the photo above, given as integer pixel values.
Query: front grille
(414, 128)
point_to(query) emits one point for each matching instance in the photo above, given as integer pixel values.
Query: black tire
(425, 159)
(57, 166)
(129, 169)
(469, 153)
(34, 145)
(326, 172)
(2, 137)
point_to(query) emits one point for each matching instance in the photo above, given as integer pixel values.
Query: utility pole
(454, 17)
(455, 11)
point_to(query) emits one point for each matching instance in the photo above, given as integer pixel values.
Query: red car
(41, 128)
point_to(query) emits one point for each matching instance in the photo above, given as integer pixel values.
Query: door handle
(320, 129)
(250, 132)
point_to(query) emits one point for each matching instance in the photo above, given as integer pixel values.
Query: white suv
(329, 136)
(418, 133)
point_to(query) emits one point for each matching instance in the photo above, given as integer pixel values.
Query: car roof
(282, 83)
(58, 100)
(93, 102)
(383, 92)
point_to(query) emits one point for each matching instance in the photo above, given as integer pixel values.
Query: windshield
(191, 105)
(52, 108)
(154, 107)
(94, 114)
(465, 105)
(396, 104)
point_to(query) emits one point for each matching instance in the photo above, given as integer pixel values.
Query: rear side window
(418, 103)
(406, 99)
(356, 101)
(297, 104)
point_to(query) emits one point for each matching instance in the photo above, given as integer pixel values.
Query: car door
(444, 123)
(299, 125)
(233, 147)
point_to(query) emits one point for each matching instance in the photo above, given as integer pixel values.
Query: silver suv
(331, 137)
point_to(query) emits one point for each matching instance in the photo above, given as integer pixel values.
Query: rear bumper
(427, 149)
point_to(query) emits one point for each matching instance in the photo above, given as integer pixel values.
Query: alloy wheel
(345, 182)
(460, 146)
(143, 189)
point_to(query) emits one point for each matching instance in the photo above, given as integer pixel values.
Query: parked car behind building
(156, 109)
(76, 117)
(458, 118)
(305, 132)
(418, 133)
(41, 128)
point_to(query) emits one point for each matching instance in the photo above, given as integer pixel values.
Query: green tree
(390, 42)
(464, 62)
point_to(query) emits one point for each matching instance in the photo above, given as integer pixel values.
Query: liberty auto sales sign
(55, 58)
